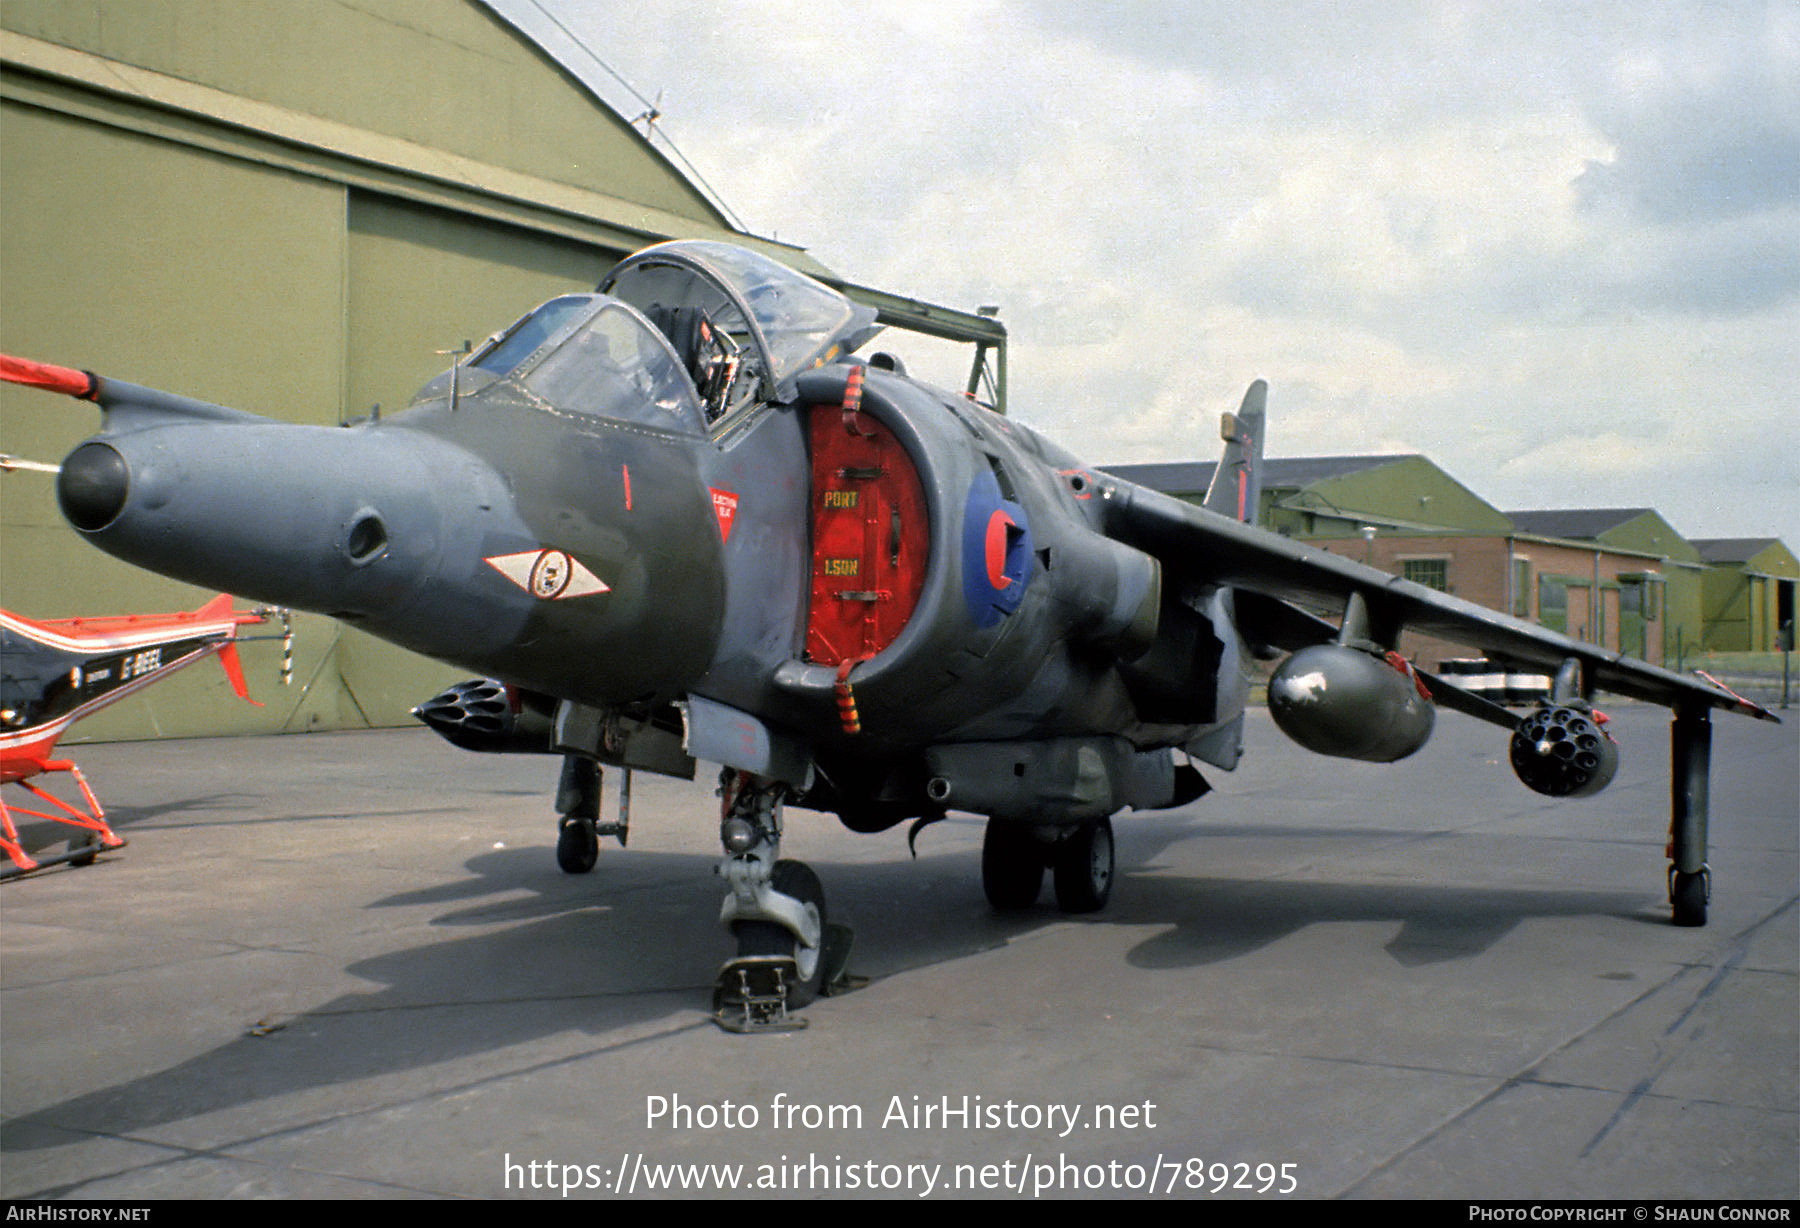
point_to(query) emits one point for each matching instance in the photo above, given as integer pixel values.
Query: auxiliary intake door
(870, 537)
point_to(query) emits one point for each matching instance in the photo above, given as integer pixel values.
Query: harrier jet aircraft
(678, 519)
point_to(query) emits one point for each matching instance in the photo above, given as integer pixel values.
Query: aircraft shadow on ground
(538, 953)
(1222, 919)
(1214, 919)
(633, 944)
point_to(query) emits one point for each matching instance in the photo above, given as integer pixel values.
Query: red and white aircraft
(60, 670)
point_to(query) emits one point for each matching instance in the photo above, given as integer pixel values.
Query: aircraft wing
(1192, 541)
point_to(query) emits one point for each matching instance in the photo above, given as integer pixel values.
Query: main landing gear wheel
(1012, 865)
(577, 845)
(1687, 897)
(1083, 867)
(793, 878)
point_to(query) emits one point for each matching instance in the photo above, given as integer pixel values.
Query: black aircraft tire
(577, 846)
(797, 879)
(1083, 864)
(1012, 865)
(1687, 899)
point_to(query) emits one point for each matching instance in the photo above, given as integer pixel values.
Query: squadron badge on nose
(549, 575)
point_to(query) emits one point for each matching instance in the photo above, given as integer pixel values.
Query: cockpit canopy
(592, 355)
(778, 322)
(677, 337)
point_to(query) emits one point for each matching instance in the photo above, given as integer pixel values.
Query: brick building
(1600, 576)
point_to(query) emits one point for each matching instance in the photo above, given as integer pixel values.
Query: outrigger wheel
(1688, 894)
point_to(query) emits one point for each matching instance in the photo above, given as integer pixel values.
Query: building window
(1521, 592)
(1637, 610)
(1553, 603)
(1432, 573)
(1639, 596)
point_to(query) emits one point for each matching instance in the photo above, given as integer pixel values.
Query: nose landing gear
(787, 953)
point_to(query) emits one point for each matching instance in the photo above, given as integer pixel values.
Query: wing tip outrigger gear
(1690, 767)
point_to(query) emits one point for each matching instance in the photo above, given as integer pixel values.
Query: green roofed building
(1675, 586)
(1314, 498)
(1599, 576)
(1748, 592)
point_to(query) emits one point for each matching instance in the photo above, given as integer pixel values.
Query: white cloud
(1540, 243)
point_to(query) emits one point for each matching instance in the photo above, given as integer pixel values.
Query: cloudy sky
(1555, 247)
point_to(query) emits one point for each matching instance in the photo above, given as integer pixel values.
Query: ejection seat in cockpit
(681, 325)
(707, 352)
(745, 326)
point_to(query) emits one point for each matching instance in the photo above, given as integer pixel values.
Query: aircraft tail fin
(234, 673)
(1236, 489)
(220, 608)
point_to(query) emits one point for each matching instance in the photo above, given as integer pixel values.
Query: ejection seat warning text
(1029, 1172)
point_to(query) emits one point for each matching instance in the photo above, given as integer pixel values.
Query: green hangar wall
(1749, 592)
(292, 209)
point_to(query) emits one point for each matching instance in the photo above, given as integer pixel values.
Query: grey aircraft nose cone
(93, 486)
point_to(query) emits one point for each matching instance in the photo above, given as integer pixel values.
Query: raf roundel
(996, 552)
(998, 524)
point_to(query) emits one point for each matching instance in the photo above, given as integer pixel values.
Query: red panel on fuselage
(870, 537)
